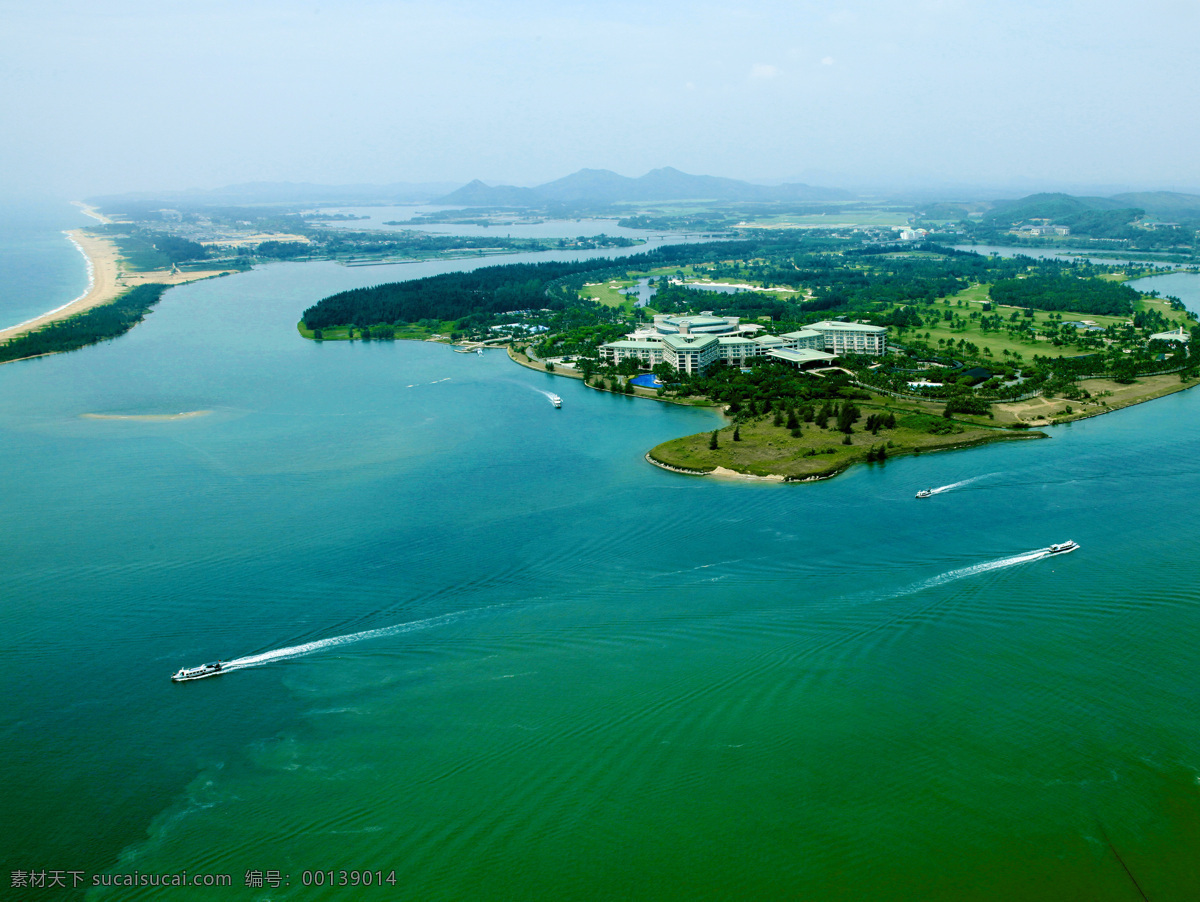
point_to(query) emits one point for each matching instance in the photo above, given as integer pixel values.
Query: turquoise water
(526, 664)
(648, 380)
(39, 268)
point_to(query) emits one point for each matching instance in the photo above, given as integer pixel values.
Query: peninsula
(84, 320)
(907, 348)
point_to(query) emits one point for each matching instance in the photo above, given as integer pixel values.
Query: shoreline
(101, 265)
(107, 280)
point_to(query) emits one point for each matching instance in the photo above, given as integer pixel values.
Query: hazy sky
(114, 95)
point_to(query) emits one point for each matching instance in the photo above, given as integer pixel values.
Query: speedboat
(556, 400)
(199, 673)
(1063, 547)
(924, 493)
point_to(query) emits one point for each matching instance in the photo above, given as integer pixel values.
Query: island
(820, 351)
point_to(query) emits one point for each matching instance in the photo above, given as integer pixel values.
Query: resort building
(852, 338)
(694, 352)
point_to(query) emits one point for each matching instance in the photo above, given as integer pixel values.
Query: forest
(493, 289)
(1066, 293)
(91, 326)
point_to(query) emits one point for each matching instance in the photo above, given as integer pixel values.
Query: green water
(589, 678)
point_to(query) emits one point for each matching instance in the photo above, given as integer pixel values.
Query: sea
(480, 648)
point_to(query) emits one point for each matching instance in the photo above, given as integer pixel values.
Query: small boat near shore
(925, 493)
(198, 673)
(1063, 547)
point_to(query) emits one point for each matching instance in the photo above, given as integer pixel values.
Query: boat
(556, 400)
(924, 493)
(199, 673)
(1063, 547)
(479, 351)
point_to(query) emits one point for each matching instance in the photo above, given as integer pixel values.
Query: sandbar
(148, 417)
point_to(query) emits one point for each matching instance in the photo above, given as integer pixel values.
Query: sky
(126, 95)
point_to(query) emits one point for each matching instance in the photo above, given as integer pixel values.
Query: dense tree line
(493, 289)
(145, 249)
(1067, 293)
(450, 296)
(89, 327)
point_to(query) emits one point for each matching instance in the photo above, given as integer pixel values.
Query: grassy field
(972, 300)
(1106, 396)
(768, 450)
(609, 293)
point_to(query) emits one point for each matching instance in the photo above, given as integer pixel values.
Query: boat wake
(550, 396)
(974, 570)
(958, 485)
(308, 648)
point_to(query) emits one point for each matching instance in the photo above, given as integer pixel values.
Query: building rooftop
(854, 327)
(802, 356)
(636, 345)
(803, 333)
(1178, 335)
(690, 342)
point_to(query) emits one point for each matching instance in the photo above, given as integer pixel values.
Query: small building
(802, 358)
(1179, 336)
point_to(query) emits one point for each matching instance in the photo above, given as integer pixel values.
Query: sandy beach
(107, 279)
(147, 417)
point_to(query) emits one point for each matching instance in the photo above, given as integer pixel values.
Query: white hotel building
(692, 344)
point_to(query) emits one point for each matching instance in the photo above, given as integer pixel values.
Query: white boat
(1063, 547)
(479, 351)
(199, 673)
(924, 493)
(556, 400)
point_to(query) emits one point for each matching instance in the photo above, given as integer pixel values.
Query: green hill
(1055, 207)
(1163, 205)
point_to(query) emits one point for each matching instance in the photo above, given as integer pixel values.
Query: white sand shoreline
(106, 282)
(101, 258)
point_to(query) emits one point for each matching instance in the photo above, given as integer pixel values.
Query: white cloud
(763, 70)
(827, 61)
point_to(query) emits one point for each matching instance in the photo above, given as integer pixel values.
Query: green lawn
(973, 298)
(609, 294)
(766, 449)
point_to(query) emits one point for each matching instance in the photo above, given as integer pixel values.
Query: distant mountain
(600, 186)
(477, 194)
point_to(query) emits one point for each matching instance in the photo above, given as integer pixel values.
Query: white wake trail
(974, 570)
(296, 651)
(958, 485)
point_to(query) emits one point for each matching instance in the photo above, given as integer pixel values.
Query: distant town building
(1037, 231)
